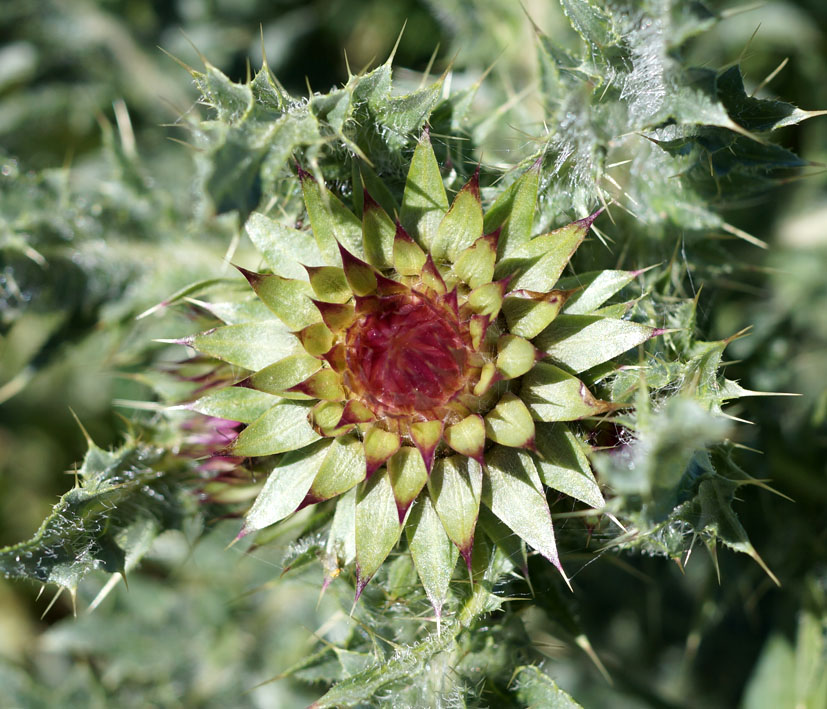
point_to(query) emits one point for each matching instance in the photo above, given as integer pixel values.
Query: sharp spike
(361, 276)
(60, 590)
(89, 441)
(347, 66)
(389, 60)
(105, 591)
(467, 554)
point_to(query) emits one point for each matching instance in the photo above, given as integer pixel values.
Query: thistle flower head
(418, 370)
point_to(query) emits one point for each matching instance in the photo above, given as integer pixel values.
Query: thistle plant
(434, 350)
(419, 369)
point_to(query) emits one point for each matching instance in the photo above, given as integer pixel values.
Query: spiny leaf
(591, 23)
(402, 667)
(231, 101)
(717, 517)
(754, 114)
(108, 521)
(536, 689)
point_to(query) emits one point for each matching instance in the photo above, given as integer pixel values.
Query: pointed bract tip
(355, 412)
(348, 259)
(466, 554)
(371, 466)
(658, 331)
(301, 172)
(251, 276)
(531, 445)
(559, 567)
(402, 510)
(243, 532)
(640, 271)
(427, 444)
(588, 221)
(473, 184)
(503, 282)
(368, 200)
(451, 299)
(402, 234)
(326, 581)
(738, 335)
(361, 582)
(309, 499)
(494, 237)
(428, 457)
(432, 271)
(187, 341)
(756, 557)
(335, 316)
(389, 60)
(153, 309)
(388, 286)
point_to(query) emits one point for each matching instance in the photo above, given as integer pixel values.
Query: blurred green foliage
(102, 217)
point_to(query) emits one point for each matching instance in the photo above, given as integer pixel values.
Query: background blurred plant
(101, 219)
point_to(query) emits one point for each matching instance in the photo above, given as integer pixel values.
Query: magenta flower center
(407, 356)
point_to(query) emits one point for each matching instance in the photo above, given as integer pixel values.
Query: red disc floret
(407, 356)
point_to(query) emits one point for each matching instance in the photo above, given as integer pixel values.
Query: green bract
(420, 370)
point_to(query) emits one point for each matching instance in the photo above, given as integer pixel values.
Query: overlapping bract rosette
(421, 371)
